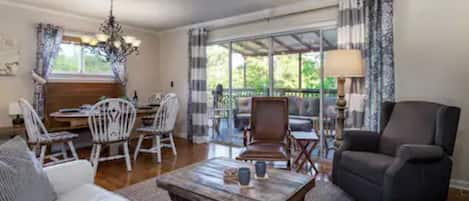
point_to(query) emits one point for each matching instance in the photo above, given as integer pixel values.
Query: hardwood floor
(112, 175)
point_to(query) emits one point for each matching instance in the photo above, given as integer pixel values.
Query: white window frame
(81, 76)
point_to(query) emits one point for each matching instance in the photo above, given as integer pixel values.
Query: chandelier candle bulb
(93, 42)
(86, 39)
(136, 43)
(102, 37)
(117, 44)
(129, 39)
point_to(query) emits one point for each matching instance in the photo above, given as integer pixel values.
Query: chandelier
(111, 43)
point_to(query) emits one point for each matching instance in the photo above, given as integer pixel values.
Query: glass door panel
(218, 83)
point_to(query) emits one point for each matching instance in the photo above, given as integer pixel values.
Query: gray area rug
(148, 191)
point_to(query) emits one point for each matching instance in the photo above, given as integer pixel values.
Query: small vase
(244, 176)
(261, 168)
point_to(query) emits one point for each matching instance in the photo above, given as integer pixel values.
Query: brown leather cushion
(264, 151)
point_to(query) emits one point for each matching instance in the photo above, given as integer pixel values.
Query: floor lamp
(342, 64)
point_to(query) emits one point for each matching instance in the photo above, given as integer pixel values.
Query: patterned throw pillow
(21, 174)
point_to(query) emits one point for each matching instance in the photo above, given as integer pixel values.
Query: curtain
(49, 38)
(119, 70)
(368, 25)
(197, 103)
(351, 35)
(379, 59)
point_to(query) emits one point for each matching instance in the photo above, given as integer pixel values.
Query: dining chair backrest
(111, 120)
(165, 117)
(35, 129)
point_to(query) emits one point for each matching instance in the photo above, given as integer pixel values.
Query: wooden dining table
(80, 119)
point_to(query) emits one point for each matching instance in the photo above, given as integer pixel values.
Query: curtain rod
(268, 19)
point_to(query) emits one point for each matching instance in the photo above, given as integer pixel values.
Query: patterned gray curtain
(379, 59)
(120, 72)
(197, 117)
(351, 35)
(367, 25)
(49, 38)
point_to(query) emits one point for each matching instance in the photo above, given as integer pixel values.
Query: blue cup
(244, 176)
(261, 167)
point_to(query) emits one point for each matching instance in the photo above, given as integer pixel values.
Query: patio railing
(304, 93)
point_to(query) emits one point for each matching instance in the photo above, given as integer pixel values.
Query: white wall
(432, 49)
(174, 49)
(19, 23)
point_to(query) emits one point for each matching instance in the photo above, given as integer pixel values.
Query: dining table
(79, 119)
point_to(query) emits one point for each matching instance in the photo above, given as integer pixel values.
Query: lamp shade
(343, 63)
(14, 109)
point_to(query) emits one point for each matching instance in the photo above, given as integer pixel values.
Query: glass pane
(330, 97)
(219, 105)
(250, 68)
(68, 60)
(286, 71)
(94, 63)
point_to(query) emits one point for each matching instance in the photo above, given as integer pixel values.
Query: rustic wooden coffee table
(204, 181)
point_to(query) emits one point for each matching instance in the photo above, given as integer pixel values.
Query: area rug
(148, 191)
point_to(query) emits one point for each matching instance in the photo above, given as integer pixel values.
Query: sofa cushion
(410, 123)
(310, 107)
(244, 105)
(294, 105)
(90, 192)
(21, 174)
(371, 166)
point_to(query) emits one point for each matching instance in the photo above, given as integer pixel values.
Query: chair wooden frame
(162, 129)
(39, 137)
(248, 137)
(111, 121)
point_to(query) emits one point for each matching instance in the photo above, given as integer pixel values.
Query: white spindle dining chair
(38, 136)
(111, 121)
(162, 129)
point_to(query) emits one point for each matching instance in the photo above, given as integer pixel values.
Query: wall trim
(68, 14)
(267, 14)
(459, 184)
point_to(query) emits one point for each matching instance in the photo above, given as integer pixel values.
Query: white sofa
(74, 181)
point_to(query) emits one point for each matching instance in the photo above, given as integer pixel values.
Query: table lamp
(15, 110)
(342, 64)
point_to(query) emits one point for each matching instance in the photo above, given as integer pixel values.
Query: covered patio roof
(286, 44)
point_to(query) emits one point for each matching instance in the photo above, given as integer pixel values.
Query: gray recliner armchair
(409, 159)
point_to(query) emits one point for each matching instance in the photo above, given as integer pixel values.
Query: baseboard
(459, 184)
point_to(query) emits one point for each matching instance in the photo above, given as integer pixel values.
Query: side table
(307, 142)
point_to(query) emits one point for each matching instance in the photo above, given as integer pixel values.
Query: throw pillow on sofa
(21, 175)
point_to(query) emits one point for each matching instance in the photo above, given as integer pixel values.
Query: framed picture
(9, 56)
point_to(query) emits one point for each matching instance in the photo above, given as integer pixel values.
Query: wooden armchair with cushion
(268, 138)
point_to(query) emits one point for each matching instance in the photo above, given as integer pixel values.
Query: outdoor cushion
(21, 174)
(244, 105)
(310, 107)
(371, 166)
(294, 104)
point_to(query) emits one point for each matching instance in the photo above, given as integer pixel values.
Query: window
(74, 58)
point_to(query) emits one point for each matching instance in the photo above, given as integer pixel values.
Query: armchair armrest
(411, 152)
(360, 140)
(68, 176)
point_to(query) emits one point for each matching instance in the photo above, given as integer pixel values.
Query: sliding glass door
(285, 64)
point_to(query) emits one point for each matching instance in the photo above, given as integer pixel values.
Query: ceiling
(158, 14)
